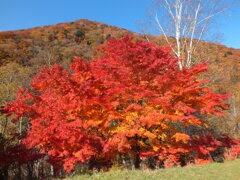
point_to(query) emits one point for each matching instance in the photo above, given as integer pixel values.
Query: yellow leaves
(162, 136)
(161, 111)
(195, 121)
(12, 78)
(181, 137)
(179, 113)
(155, 148)
(206, 125)
(134, 114)
(149, 135)
(128, 118)
(164, 126)
(155, 144)
(119, 129)
(142, 129)
(131, 117)
(142, 144)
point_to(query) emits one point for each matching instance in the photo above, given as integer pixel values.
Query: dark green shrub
(108, 36)
(79, 34)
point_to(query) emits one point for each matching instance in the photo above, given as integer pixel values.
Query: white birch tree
(183, 23)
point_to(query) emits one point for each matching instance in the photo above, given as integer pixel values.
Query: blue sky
(21, 14)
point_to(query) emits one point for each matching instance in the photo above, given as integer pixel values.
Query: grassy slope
(214, 171)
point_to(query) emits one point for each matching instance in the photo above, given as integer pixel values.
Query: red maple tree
(129, 99)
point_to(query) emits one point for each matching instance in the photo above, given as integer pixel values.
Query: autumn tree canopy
(129, 99)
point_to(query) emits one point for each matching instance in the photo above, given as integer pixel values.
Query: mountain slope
(23, 52)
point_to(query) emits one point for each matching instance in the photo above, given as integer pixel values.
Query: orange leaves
(149, 135)
(181, 137)
(127, 100)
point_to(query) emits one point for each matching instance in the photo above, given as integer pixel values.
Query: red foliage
(204, 144)
(126, 100)
(16, 153)
(207, 143)
(232, 153)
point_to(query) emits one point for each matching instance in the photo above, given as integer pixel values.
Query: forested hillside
(24, 52)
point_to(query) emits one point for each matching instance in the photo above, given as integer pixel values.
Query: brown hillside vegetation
(23, 52)
(41, 135)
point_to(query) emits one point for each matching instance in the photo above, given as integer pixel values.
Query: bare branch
(164, 34)
(187, 21)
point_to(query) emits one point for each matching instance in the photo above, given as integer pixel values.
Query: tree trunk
(137, 161)
(4, 173)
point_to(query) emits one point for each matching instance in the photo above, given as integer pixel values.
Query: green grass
(214, 171)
